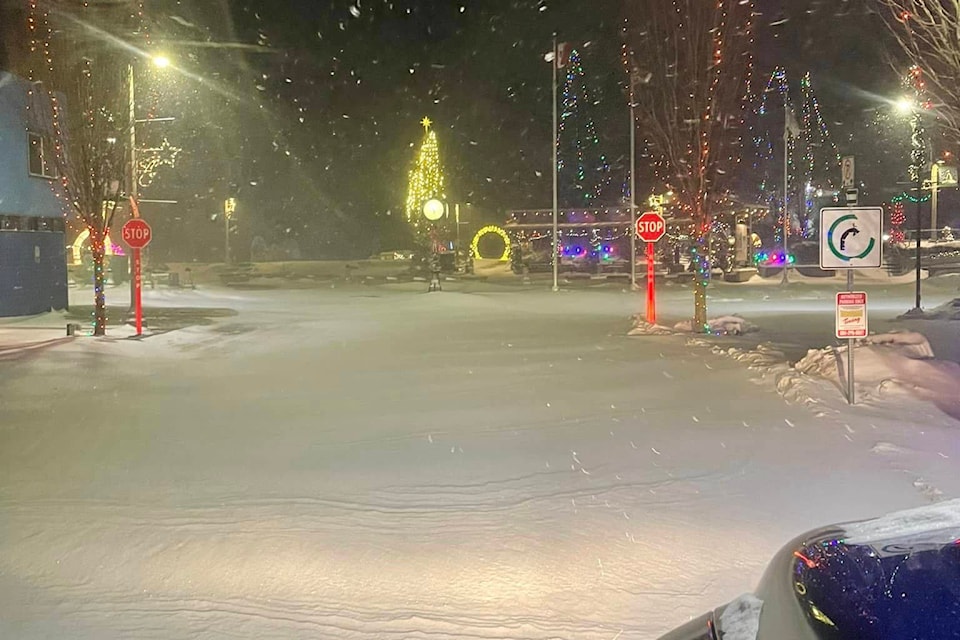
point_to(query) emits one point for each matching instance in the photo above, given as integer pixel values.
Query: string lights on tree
(699, 59)
(812, 157)
(583, 169)
(92, 172)
(897, 217)
(426, 181)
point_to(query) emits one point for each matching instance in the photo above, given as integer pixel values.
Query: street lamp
(160, 61)
(905, 105)
(910, 106)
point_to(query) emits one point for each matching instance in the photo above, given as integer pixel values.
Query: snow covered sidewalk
(22, 335)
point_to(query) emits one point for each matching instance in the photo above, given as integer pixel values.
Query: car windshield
(903, 587)
(469, 319)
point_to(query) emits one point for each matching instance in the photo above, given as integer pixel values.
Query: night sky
(314, 122)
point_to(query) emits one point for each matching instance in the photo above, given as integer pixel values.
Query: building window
(42, 162)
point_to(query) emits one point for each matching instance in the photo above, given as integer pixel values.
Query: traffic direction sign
(651, 226)
(851, 237)
(137, 233)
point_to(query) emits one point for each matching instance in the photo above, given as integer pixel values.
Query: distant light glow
(905, 105)
(161, 62)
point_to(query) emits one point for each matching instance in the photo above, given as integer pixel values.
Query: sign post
(650, 228)
(851, 238)
(137, 235)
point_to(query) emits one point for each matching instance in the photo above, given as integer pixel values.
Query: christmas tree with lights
(583, 168)
(426, 182)
(813, 159)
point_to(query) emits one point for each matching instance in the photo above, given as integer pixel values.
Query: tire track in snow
(331, 617)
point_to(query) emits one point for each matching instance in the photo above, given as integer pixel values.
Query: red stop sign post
(137, 235)
(650, 228)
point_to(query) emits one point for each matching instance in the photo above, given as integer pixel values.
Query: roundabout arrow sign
(851, 237)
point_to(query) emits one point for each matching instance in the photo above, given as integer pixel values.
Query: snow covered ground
(485, 462)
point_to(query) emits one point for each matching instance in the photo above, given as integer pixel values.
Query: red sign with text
(852, 314)
(651, 226)
(137, 233)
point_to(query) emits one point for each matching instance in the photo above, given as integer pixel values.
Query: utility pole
(917, 155)
(554, 66)
(633, 182)
(786, 179)
(133, 190)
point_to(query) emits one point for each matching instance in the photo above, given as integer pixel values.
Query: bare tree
(693, 59)
(85, 82)
(926, 32)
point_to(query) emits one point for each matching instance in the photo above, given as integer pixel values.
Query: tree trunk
(99, 250)
(701, 256)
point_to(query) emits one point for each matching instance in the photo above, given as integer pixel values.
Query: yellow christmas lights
(475, 245)
(426, 177)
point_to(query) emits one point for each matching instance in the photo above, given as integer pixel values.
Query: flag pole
(786, 219)
(555, 64)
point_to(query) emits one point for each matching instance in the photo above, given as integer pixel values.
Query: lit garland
(426, 178)
(580, 133)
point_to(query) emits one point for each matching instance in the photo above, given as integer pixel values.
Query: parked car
(892, 578)
(394, 255)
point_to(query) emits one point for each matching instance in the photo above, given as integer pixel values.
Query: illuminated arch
(475, 245)
(76, 249)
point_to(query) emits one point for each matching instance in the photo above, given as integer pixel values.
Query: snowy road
(382, 463)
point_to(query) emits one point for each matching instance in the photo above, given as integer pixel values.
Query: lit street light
(160, 61)
(911, 107)
(905, 105)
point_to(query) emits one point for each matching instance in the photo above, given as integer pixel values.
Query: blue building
(33, 270)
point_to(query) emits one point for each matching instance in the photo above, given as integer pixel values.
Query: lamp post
(634, 79)
(133, 189)
(912, 107)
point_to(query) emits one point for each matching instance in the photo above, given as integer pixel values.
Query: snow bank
(643, 328)
(724, 325)
(947, 311)
(938, 523)
(889, 364)
(901, 359)
(741, 619)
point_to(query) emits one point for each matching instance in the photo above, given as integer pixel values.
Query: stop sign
(651, 226)
(137, 233)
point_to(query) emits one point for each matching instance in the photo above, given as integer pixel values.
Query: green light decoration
(905, 196)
